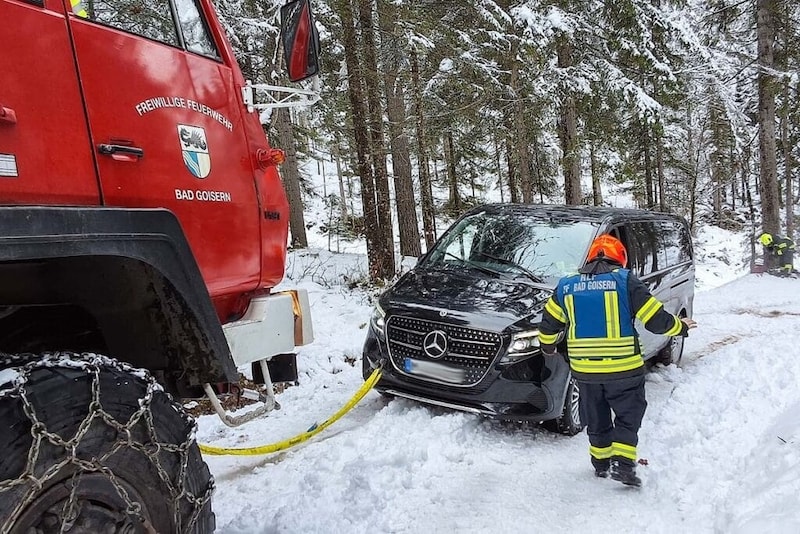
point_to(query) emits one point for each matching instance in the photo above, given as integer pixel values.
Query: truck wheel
(92, 445)
(569, 422)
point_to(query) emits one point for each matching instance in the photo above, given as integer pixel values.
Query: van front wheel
(569, 422)
(672, 352)
(92, 445)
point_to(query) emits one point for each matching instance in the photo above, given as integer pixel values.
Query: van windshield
(514, 243)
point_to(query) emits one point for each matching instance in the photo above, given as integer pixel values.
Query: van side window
(626, 235)
(148, 18)
(677, 243)
(195, 31)
(647, 237)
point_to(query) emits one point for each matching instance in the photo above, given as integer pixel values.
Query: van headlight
(378, 320)
(523, 345)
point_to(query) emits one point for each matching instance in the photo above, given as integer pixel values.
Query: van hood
(484, 301)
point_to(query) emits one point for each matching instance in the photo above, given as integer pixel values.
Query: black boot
(601, 467)
(624, 470)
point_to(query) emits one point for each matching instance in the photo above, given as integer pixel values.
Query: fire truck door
(45, 153)
(167, 129)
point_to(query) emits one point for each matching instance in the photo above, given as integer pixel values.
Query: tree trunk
(521, 149)
(425, 191)
(512, 174)
(787, 162)
(398, 140)
(597, 193)
(648, 165)
(355, 91)
(662, 204)
(568, 133)
(770, 197)
(691, 168)
(538, 166)
(343, 204)
(385, 227)
(452, 175)
(498, 170)
(291, 176)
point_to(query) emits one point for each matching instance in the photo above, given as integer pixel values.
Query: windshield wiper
(473, 265)
(515, 265)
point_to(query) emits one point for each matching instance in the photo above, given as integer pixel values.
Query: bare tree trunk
(734, 182)
(335, 156)
(497, 166)
(662, 204)
(691, 168)
(521, 149)
(512, 174)
(385, 227)
(770, 197)
(398, 140)
(452, 175)
(648, 165)
(425, 191)
(538, 167)
(568, 133)
(787, 162)
(597, 193)
(375, 242)
(291, 176)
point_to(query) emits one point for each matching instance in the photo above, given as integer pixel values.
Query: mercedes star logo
(435, 344)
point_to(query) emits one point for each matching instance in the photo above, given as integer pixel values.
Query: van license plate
(437, 371)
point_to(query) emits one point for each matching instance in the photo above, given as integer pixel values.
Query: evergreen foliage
(665, 97)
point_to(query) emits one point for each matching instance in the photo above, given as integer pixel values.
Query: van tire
(136, 448)
(569, 422)
(672, 351)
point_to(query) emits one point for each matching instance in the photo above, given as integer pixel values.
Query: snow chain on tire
(13, 382)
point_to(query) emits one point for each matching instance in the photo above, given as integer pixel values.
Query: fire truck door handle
(121, 152)
(7, 115)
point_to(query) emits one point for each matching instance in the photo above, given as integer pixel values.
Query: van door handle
(7, 115)
(121, 152)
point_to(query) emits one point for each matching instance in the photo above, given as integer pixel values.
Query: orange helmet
(609, 247)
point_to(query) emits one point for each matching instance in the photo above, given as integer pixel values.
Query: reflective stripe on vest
(600, 336)
(79, 9)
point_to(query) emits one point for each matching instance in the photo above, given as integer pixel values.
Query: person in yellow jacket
(782, 250)
(596, 308)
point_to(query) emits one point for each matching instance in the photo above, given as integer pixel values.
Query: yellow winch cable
(291, 442)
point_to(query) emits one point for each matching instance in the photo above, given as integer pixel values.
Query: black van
(460, 330)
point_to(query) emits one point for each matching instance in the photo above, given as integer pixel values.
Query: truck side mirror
(300, 40)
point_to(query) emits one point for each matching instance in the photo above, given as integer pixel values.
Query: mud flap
(282, 368)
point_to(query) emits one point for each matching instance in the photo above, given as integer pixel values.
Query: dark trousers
(626, 398)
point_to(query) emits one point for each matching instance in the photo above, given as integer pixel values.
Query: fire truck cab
(143, 227)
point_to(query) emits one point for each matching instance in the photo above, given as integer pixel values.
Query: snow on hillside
(721, 433)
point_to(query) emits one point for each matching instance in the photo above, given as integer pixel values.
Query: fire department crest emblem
(195, 150)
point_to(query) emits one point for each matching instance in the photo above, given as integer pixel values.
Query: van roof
(584, 213)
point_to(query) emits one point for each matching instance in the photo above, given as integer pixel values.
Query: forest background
(689, 107)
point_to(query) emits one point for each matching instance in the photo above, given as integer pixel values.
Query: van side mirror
(300, 40)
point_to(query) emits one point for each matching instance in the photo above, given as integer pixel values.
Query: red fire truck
(143, 225)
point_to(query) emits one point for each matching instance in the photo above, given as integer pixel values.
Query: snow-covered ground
(721, 433)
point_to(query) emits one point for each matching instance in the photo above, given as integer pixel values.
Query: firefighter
(782, 250)
(596, 309)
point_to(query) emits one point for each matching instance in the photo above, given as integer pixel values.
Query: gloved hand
(688, 324)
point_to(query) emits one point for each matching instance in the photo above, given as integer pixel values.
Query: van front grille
(468, 357)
